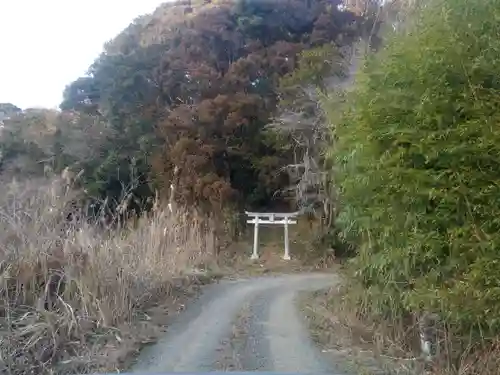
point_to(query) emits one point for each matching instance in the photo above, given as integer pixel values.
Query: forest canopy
(184, 96)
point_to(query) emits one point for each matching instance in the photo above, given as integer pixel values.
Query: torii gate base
(258, 218)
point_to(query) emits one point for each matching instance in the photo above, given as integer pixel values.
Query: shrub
(418, 158)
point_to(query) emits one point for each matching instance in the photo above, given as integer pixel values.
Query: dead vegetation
(74, 297)
(356, 345)
(78, 296)
(341, 323)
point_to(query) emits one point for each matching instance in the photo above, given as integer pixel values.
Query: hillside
(194, 86)
(375, 119)
(181, 106)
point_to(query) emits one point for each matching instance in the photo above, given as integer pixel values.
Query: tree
(37, 142)
(7, 110)
(300, 120)
(196, 83)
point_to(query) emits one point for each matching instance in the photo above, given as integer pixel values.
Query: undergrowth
(68, 288)
(354, 321)
(417, 156)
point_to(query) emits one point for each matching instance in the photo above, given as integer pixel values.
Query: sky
(46, 44)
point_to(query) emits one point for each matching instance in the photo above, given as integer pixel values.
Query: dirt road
(274, 337)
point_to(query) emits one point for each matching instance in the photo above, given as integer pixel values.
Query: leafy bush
(418, 157)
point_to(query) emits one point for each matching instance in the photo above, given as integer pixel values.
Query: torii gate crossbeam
(273, 218)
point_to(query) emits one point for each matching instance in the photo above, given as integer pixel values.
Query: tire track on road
(275, 337)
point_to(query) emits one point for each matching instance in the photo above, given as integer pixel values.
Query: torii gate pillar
(258, 218)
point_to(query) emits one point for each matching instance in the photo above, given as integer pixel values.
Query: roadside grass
(78, 298)
(362, 344)
(75, 298)
(351, 345)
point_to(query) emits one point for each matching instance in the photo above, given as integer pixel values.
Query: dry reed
(395, 341)
(65, 285)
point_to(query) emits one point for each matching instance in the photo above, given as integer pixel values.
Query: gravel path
(274, 337)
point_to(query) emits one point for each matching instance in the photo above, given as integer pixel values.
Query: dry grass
(351, 345)
(343, 324)
(69, 291)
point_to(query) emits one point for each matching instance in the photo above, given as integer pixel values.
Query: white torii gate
(257, 218)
